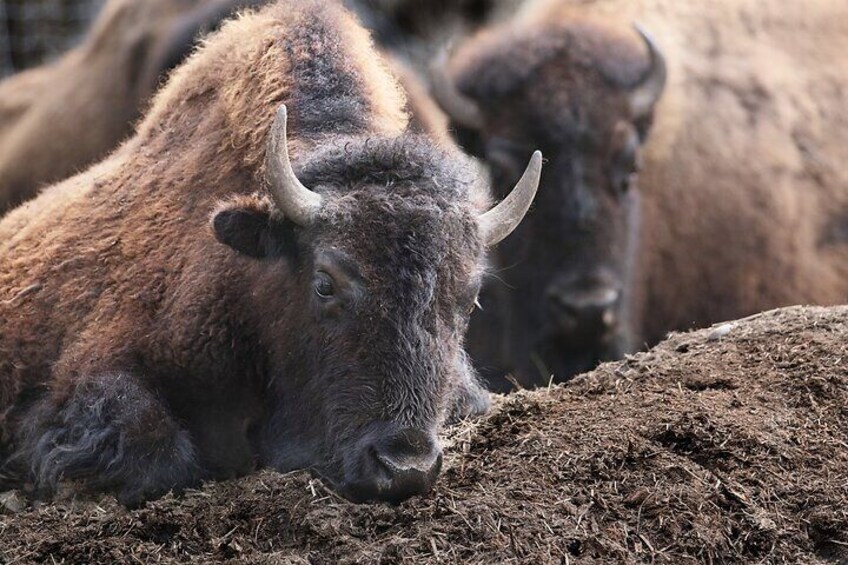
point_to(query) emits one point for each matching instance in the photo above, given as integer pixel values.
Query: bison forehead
(405, 234)
(409, 165)
(403, 209)
(498, 65)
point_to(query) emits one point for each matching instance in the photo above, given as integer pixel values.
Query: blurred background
(35, 31)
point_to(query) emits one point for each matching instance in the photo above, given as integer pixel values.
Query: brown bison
(58, 119)
(584, 91)
(740, 206)
(221, 293)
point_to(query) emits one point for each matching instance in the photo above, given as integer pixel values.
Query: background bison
(739, 204)
(585, 91)
(57, 119)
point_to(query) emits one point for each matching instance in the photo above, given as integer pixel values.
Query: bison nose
(401, 465)
(591, 310)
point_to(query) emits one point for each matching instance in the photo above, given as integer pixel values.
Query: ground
(725, 445)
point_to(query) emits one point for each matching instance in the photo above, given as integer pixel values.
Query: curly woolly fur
(133, 344)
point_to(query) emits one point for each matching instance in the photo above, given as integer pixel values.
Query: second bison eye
(324, 286)
(626, 160)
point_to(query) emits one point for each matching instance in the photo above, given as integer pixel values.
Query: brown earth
(712, 447)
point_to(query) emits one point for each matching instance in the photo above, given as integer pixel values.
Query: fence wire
(35, 31)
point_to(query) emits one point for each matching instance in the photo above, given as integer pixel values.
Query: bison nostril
(586, 309)
(397, 466)
(409, 450)
(422, 464)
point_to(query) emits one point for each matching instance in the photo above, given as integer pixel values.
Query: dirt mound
(725, 445)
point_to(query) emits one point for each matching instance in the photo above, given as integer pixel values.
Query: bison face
(570, 262)
(360, 290)
(561, 298)
(362, 315)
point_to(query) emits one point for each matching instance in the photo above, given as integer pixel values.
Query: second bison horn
(501, 220)
(295, 201)
(650, 88)
(460, 108)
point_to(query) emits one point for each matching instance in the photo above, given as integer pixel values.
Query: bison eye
(506, 157)
(324, 285)
(626, 157)
(626, 170)
(627, 182)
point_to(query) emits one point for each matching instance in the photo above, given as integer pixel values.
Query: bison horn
(460, 108)
(294, 200)
(650, 88)
(501, 220)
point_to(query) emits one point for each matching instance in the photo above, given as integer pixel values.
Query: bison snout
(397, 466)
(585, 311)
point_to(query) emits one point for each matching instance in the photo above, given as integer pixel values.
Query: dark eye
(627, 158)
(504, 164)
(324, 285)
(626, 169)
(628, 181)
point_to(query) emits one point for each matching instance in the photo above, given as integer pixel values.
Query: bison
(740, 204)
(237, 287)
(58, 119)
(584, 91)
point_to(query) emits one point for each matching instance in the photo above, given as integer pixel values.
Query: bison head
(364, 267)
(585, 96)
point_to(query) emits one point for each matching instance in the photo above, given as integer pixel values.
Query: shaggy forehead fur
(409, 160)
(401, 201)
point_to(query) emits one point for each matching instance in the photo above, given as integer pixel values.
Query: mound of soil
(728, 444)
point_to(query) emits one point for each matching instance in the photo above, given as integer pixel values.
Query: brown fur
(57, 119)
(425, 116)
(111, 282)
(743, 195)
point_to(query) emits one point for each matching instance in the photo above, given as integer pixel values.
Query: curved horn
(462, 109)
(499, 222)
(294, 200)
(650, 88)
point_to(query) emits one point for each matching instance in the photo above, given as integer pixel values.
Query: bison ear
(249, 228)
